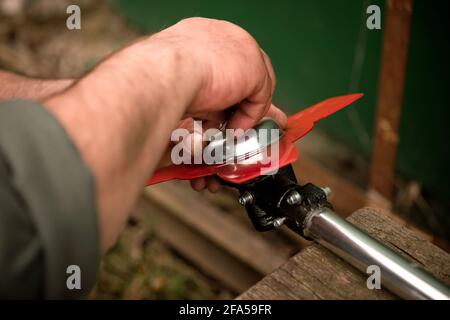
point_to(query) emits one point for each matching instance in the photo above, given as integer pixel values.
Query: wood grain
(212, 260)
(222, 230)
(316, 273)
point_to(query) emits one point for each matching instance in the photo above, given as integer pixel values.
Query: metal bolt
(246, 198)
(327, 191)
(293, 198)
(278, 222)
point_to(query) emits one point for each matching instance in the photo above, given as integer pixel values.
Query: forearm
(13, 86)
(119, 116)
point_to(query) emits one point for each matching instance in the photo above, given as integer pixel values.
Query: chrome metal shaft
(398, 275)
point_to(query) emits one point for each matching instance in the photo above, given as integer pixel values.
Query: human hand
(233, 72)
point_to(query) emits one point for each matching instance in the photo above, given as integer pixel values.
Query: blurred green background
(322, 49)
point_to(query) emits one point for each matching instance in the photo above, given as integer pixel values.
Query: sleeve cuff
(59, 190)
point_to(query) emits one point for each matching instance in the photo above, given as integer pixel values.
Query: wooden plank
(223, 230)
(390, 98)
(316, 273)
(210, 259)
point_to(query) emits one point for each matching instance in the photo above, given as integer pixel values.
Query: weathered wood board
(316, 273)
(218, 243)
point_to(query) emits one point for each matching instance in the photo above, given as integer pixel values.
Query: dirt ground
(34, 41)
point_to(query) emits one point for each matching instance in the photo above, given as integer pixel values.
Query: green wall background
(313, 44)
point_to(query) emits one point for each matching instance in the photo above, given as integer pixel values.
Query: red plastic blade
(298, 126)
(303, 122)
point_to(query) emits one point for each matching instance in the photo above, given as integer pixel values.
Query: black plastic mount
(269, 199)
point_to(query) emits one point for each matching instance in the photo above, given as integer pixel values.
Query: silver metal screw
(278, 222)
(293, 198)
(328, 192)
(246, 198)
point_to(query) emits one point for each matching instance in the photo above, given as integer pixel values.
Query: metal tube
(359, 249)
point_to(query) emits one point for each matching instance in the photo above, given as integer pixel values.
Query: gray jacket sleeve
(48, 218)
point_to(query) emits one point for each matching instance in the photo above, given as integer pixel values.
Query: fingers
(251, 110)
(278, 115)
(211, 182)
(198, 184)
(196, 139)
(255, 107)
(270, 70)
(218, 116)
(247, 115)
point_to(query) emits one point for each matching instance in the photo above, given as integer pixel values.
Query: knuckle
(193, 20)
(203, 22)
(222, 27)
